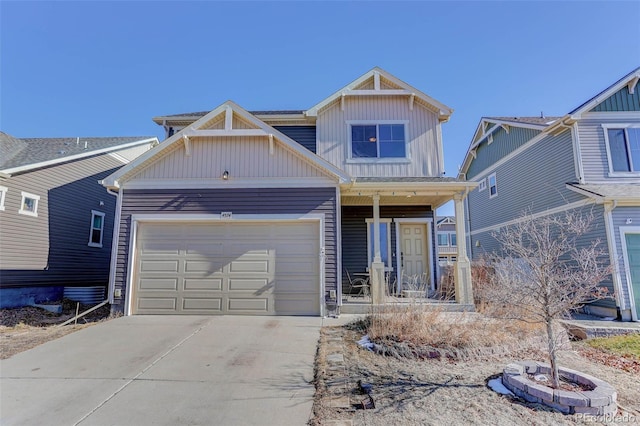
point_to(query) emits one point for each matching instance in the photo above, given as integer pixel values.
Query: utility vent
(85, 295)
(62, 152)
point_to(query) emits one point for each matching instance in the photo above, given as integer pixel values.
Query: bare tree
(543, 272)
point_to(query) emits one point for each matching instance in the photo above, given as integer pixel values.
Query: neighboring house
(447, 241)
(56, 220)
(588, 159)
(264, 212)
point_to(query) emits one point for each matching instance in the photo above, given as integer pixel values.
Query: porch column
(376, 270)
(462, 273)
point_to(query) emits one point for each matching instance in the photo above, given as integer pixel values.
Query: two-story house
(263, 212)
(56, 220)
(588, 160)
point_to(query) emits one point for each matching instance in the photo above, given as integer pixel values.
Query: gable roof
(32, 153)
(630, 80)
(185, 116)
(400, 88)
(224, 112)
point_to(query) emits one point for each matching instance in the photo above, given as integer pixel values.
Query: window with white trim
(493, 186)
(385, 241)
(3, 196)
(378, 140)
(97, 229)
(443, 239)
(623, 148)
(482, 185)
(29, 204)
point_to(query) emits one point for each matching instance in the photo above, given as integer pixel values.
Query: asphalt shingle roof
(612, 190)
(407, 179)
(22, 152)
(544, 121)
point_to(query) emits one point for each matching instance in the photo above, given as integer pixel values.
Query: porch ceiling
(404, 192)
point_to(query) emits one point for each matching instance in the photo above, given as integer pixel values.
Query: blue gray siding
(239, 201)
(503, 144)
(354, 234)
(620, 101)
(52, 248)
(533, 180)
(304, 135)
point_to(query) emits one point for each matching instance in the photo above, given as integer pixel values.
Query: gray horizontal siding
(622, 100)
(503, 144)
(620, 216)
(238, 201)
(593, 148)
(304, 135)
(354, 234)
(533, 180)
(52, 248)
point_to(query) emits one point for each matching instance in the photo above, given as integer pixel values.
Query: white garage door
(227, 268)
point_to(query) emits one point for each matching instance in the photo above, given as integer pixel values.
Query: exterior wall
(503, 144)
(304, 135)
(620, 216)
(52, 248)
(243, 157)
(424, 146)
(532, 180)
(132, 153)
(594, 151)
(622, 100)
(240, 201)
(354, 234)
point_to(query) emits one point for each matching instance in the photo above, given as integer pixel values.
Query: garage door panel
(234, 268)
(159, 284)
(212, 284)
(157, 304)
(202, 304)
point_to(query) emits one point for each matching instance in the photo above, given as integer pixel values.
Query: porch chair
(359, 284)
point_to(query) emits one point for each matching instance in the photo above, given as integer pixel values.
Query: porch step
(366, 308)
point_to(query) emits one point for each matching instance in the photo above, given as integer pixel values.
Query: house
(263, 212)
(56, 220)
(587, 159)
(447, 241)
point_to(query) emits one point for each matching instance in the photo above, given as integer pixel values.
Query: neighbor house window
(385, 241)
(29, 204)
(443, 239)
(493, 186)
(3, 196)
(624, 149)
(454, 241)
(97, 229)
(378, 141)
(482, 185)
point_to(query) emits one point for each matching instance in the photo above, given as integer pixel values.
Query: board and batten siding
(246, 157)
(503, 144)
(424, 148)
(593, 149)
(534, 180)
(304, 135)
(622, 100)
(354, 235)
(620, 216)
(271, 201)
(52, 248)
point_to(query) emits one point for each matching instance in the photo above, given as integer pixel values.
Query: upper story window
(378, 141)
(29, 204)
(447, 239)
(97, 229)
(493, 186)
(3, 196)
(482, 185)
(623, 147)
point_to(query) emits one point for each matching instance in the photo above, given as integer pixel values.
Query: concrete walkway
(153, 370)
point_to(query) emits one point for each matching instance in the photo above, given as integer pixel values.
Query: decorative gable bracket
(631, 85)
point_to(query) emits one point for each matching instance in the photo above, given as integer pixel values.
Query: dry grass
(419, 333)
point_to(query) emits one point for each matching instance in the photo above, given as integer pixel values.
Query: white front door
(414, 255)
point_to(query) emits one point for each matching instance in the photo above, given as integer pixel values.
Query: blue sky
(106, 68)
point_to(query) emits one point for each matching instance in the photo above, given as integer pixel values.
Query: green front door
(633, 258)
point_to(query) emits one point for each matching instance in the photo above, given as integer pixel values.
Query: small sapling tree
(545, 270)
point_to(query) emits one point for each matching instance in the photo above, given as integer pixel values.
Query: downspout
(114, 244)
(613, 253)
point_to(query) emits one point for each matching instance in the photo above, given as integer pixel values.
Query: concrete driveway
(167, 370)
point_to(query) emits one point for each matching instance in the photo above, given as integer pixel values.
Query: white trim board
(217, 183)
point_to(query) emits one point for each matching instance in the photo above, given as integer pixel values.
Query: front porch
(389, 244)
